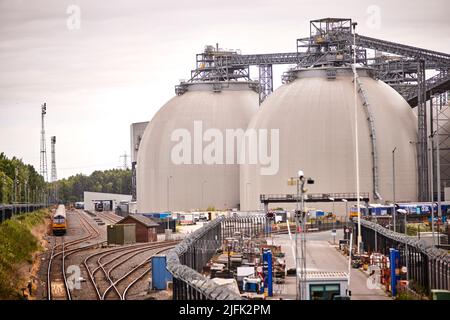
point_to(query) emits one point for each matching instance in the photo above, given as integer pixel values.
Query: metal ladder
(373, 138)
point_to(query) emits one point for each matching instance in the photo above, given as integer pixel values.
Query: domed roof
(165, 185)
(315, 118)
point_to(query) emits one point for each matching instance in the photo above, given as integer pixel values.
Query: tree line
(20, 182)
(110, 181)
(31, 187)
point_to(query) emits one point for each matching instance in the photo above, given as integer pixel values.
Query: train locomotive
(59, 221)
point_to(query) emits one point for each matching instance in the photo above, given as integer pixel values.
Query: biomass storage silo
(182, 162)
(314, 115)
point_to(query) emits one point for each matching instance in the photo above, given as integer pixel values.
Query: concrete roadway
(323, 256)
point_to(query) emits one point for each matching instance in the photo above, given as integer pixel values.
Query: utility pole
(43, 164)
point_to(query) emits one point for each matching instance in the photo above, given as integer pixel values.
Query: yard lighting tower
(43, 164)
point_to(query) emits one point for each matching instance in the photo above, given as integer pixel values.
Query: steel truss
(329, 45)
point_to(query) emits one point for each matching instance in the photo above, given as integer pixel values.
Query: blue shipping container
(160, 275)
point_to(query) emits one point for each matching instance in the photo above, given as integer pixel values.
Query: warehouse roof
(141, 219)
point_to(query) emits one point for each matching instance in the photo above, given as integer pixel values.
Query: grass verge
(17, 245)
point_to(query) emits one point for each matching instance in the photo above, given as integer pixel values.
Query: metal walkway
(313, 197)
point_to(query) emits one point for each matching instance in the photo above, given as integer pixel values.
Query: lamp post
(354, 24)
(346, 211)
(438, 176)
(297, 264)
(334, 237)
(438, 184)
(393, 188)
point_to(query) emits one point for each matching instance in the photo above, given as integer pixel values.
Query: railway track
(141, 274)
(110, 287)
(109, 217)
(57, 285)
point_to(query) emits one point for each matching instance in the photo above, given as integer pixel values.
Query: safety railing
(428, 266)
(323, 197)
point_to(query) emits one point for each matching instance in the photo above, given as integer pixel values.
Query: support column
(422, 153)
(265, 81)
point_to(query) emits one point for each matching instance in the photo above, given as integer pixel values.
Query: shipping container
(160, 275)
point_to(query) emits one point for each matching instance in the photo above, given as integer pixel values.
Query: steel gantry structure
(330, 44)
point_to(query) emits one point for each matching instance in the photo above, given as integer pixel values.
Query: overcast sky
(120, 66)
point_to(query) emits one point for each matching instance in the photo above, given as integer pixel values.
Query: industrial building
(145, 227)
(90, 198)
(401, 117)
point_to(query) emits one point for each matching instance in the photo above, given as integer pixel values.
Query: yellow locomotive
(59, 221)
